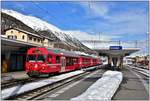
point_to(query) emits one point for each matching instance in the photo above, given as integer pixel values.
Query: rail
(30, 94)
(140, 70)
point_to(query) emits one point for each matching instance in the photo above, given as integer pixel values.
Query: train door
(63, 64)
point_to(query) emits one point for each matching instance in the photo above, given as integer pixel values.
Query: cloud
(19, 6)
(129, 23)
(88, 36)
(133, 20)
(95, 8)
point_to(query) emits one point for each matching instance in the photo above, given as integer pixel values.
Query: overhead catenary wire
(52, 16)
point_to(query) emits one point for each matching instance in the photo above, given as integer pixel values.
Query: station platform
(5, 77)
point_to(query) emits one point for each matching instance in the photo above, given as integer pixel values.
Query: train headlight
(36, 66)
(43, 67)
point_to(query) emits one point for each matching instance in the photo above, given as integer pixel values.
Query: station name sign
(115, 48)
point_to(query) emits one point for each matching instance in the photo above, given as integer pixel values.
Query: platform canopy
(14, 45)
(123, 52)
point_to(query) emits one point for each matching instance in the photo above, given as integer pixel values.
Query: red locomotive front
(39, 61)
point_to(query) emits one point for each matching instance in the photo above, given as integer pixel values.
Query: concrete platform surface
(131, 87)
(13, 76)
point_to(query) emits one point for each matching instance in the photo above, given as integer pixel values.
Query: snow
(85, 54)
(31, 21)
(30, 86)
(102, 89)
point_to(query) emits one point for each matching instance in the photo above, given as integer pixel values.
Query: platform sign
(115, 48)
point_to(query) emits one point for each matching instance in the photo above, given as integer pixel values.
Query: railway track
(29, 95)
(140, 70)
(15, 82)
(22, 81)
(19, 82)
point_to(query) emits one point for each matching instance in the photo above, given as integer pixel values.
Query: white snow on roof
(85, 54)
(102, 89)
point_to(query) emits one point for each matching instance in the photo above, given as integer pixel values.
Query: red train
(50, 61)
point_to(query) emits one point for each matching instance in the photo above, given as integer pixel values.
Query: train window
(72, 62)
(31, 58)
(57, 59)
(68, 61)
(41, 58)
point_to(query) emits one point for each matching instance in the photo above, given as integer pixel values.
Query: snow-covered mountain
(37, 24)
(31, 21)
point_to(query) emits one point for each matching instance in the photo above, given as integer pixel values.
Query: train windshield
(31, 58)
(36, 58)
(41, 58)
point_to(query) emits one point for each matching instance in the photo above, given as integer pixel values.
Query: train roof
(85, 54)
(59, 51)
(63, 52)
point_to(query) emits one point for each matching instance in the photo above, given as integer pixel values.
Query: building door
(16, 62)
(13, 63)
(20, 65)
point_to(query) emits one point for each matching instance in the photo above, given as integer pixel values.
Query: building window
(30, 38)
(34, 39)
(50, 43)
(11, 31)
(38, 40)
(23, 37)
(10, 37)
(15, 37)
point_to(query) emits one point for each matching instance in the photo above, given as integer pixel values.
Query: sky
(125, 21)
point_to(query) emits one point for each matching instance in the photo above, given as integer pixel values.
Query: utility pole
(99, 36)
(119, 42)
(136, 43)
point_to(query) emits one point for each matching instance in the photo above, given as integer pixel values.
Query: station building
(14, 44)
(21, 35)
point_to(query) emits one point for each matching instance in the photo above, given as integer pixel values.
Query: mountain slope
(39, 25)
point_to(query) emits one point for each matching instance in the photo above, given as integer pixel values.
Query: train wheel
(49, 75)
(33, 74)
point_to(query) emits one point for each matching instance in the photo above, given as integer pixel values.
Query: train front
(36, 61)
